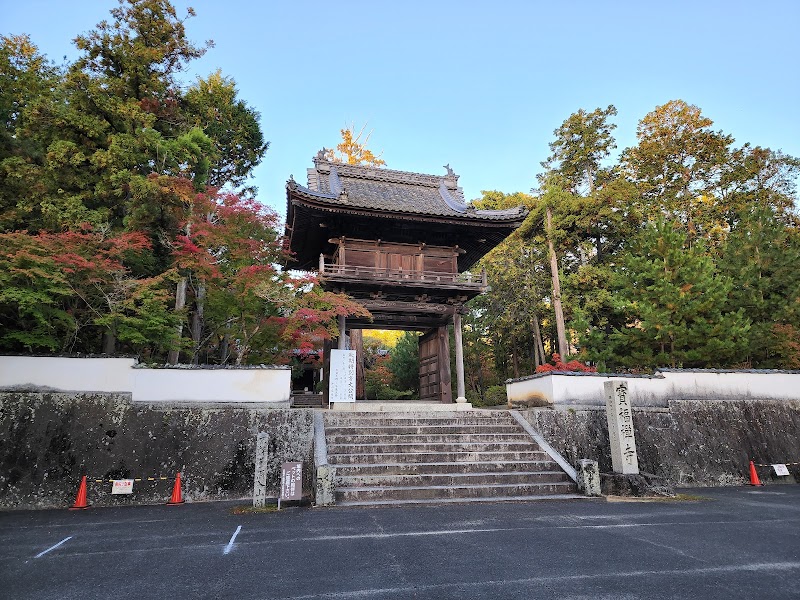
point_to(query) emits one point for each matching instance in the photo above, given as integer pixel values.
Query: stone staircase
(438, 457)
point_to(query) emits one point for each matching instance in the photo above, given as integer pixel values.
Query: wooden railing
(327, 268)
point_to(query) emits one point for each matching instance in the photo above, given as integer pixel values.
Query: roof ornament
(450, 172)
(291, 184)
(321, 155)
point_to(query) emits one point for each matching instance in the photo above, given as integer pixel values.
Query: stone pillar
(589, 477)
(461, 388)
(260, 477)
(619, 414)
(342, 341)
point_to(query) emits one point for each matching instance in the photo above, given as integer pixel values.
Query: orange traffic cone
(753, 475)
(80, 499)
(176, 492)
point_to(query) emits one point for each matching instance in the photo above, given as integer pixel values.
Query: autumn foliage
(556, 364)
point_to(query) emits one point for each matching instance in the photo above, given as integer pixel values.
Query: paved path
(740, 543)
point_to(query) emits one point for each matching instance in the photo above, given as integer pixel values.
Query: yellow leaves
(352, 151)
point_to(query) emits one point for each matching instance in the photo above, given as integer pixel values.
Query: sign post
(624, 458)
(342, 381)
(291, 482)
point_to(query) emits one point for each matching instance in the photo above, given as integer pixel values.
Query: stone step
(433, 501)
(461, 467)
(381, 438)
(419, 429)
(389, 421)
(360, 494)
(451, 479)
(450, 446)
(433, 457)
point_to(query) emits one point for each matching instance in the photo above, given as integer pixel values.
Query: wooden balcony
(333, 271)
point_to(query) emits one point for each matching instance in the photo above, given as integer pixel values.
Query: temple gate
(401, 244)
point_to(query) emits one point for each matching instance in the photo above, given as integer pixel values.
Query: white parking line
(43, 552)
(233, 538)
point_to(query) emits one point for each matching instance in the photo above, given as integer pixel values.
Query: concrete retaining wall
(182, 383)
(655, 390)
(48, 440)
(693, 442)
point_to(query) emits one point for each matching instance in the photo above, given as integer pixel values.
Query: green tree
(582, 142)
(26, 77)
(677, 164)
(212, 105)
(676, 304)
(761, 255)
(404, 362)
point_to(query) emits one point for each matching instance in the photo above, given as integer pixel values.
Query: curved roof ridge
(388, 175)
(453, 203)
(292, 185)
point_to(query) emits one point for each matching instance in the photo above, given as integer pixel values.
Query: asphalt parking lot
(735, 543)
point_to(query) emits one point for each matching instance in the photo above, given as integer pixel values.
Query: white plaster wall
(68, 374)
(777, 386)
(146, 385)
(658, 390)
(541, 387)
(212, 385)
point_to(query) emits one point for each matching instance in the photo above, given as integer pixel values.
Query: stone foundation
(48, 440)
(692, 442)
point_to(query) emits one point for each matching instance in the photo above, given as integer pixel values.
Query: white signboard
(342, 381)
(122, 486)
(780, 470)
(620, 428)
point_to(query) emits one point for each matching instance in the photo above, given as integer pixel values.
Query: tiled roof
(371, 188)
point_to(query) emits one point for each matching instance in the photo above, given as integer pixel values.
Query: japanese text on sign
(122, 486)
(621, 435)
(342, 381)
(291, 481)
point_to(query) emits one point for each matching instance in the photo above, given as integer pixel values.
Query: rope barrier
(770, 464)
(134, 478)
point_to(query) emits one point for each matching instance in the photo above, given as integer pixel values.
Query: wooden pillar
(445, 391)
(357, 344)
(342, 342)
(460, 387)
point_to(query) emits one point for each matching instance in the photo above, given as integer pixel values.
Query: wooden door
(429, 367)
(434, 366)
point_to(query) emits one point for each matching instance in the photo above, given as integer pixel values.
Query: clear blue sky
(478, 85)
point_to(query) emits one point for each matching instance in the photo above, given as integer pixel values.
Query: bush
(387, 393)
(495, 395)
(557, 365)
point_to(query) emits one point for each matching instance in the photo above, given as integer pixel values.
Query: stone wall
(48, 440)
(693, 442)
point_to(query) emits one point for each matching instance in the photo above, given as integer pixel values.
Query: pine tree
(676, 305)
